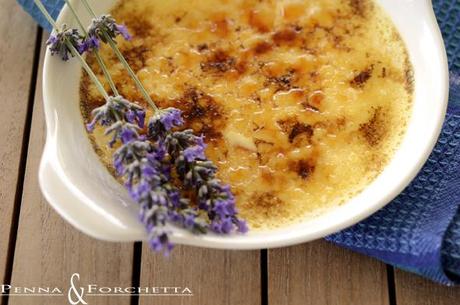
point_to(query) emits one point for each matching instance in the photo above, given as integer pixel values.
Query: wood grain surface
(415, 290)
(321, 273)
(216, 277)
(17, 47)
(49, 251)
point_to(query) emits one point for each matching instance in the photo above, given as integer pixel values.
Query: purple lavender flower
(242, 226)
(170, 118)
(148, 163)
(136, 116)
(130, 159)
(57, 42)
(222, 208)
(123, 30)
(89, 43)
(163, 121)
(189, 218)
(104, 28)
(220, 204)
(147, 172)
(222, 225)
(126, 132)
(186, 152)
(160, 242)
(195, 152)
(199, 174)
(117, 109)
(179, 141)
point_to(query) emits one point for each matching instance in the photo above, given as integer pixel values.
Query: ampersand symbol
(73, 291)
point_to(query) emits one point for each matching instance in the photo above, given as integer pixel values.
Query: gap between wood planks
(137, 267)
(22, 164)
(264, 277)
(391, 285)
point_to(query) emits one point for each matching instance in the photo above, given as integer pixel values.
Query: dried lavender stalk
(156, 160)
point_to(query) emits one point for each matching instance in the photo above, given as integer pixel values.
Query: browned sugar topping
(295, 98)
(360, 80)
(267, 203)
(262, 47)
(286, 36)
(136, 56)
(219, 61)
(300, 129)
(283, 82)
(202, 113)
(359, 7)
(374, 130)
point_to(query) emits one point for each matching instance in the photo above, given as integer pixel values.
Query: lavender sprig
(198, 174)
(152, 165)
(105, 24)
(141, 165)
(147, 171)
(92, 44)
(72, 49)
(58, 43)
(116, 109)
(107, 38)
(163, 121)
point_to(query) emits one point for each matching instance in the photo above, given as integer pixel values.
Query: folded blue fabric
(53, 7)
(419, 231)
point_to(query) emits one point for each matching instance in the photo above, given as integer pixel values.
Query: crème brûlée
(302, 103)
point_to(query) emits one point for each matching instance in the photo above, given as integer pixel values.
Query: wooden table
(39, 249)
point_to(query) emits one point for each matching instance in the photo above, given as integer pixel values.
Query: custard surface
(302, 103)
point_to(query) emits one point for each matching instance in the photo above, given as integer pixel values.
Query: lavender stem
(88, 70)
(96, 52)
(88, 7)
(131, 72)
(124, 62)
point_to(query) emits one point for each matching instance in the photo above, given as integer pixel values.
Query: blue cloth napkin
(419, 231)
(53, 7)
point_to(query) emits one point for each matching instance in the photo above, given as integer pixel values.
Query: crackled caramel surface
(302, 102)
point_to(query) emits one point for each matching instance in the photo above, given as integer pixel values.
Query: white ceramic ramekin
(79, 188)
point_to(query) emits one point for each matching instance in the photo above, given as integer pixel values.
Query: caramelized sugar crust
(302, 102)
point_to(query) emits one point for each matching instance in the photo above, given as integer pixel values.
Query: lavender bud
(123, 30)
(105, 24)
(90, 43)
(115, 110)
(57, 42)
(163, 121)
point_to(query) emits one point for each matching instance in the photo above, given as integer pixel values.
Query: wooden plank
(214, 276)
(415, 290)
(320, 273)
(18, 35)
(49, 251)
